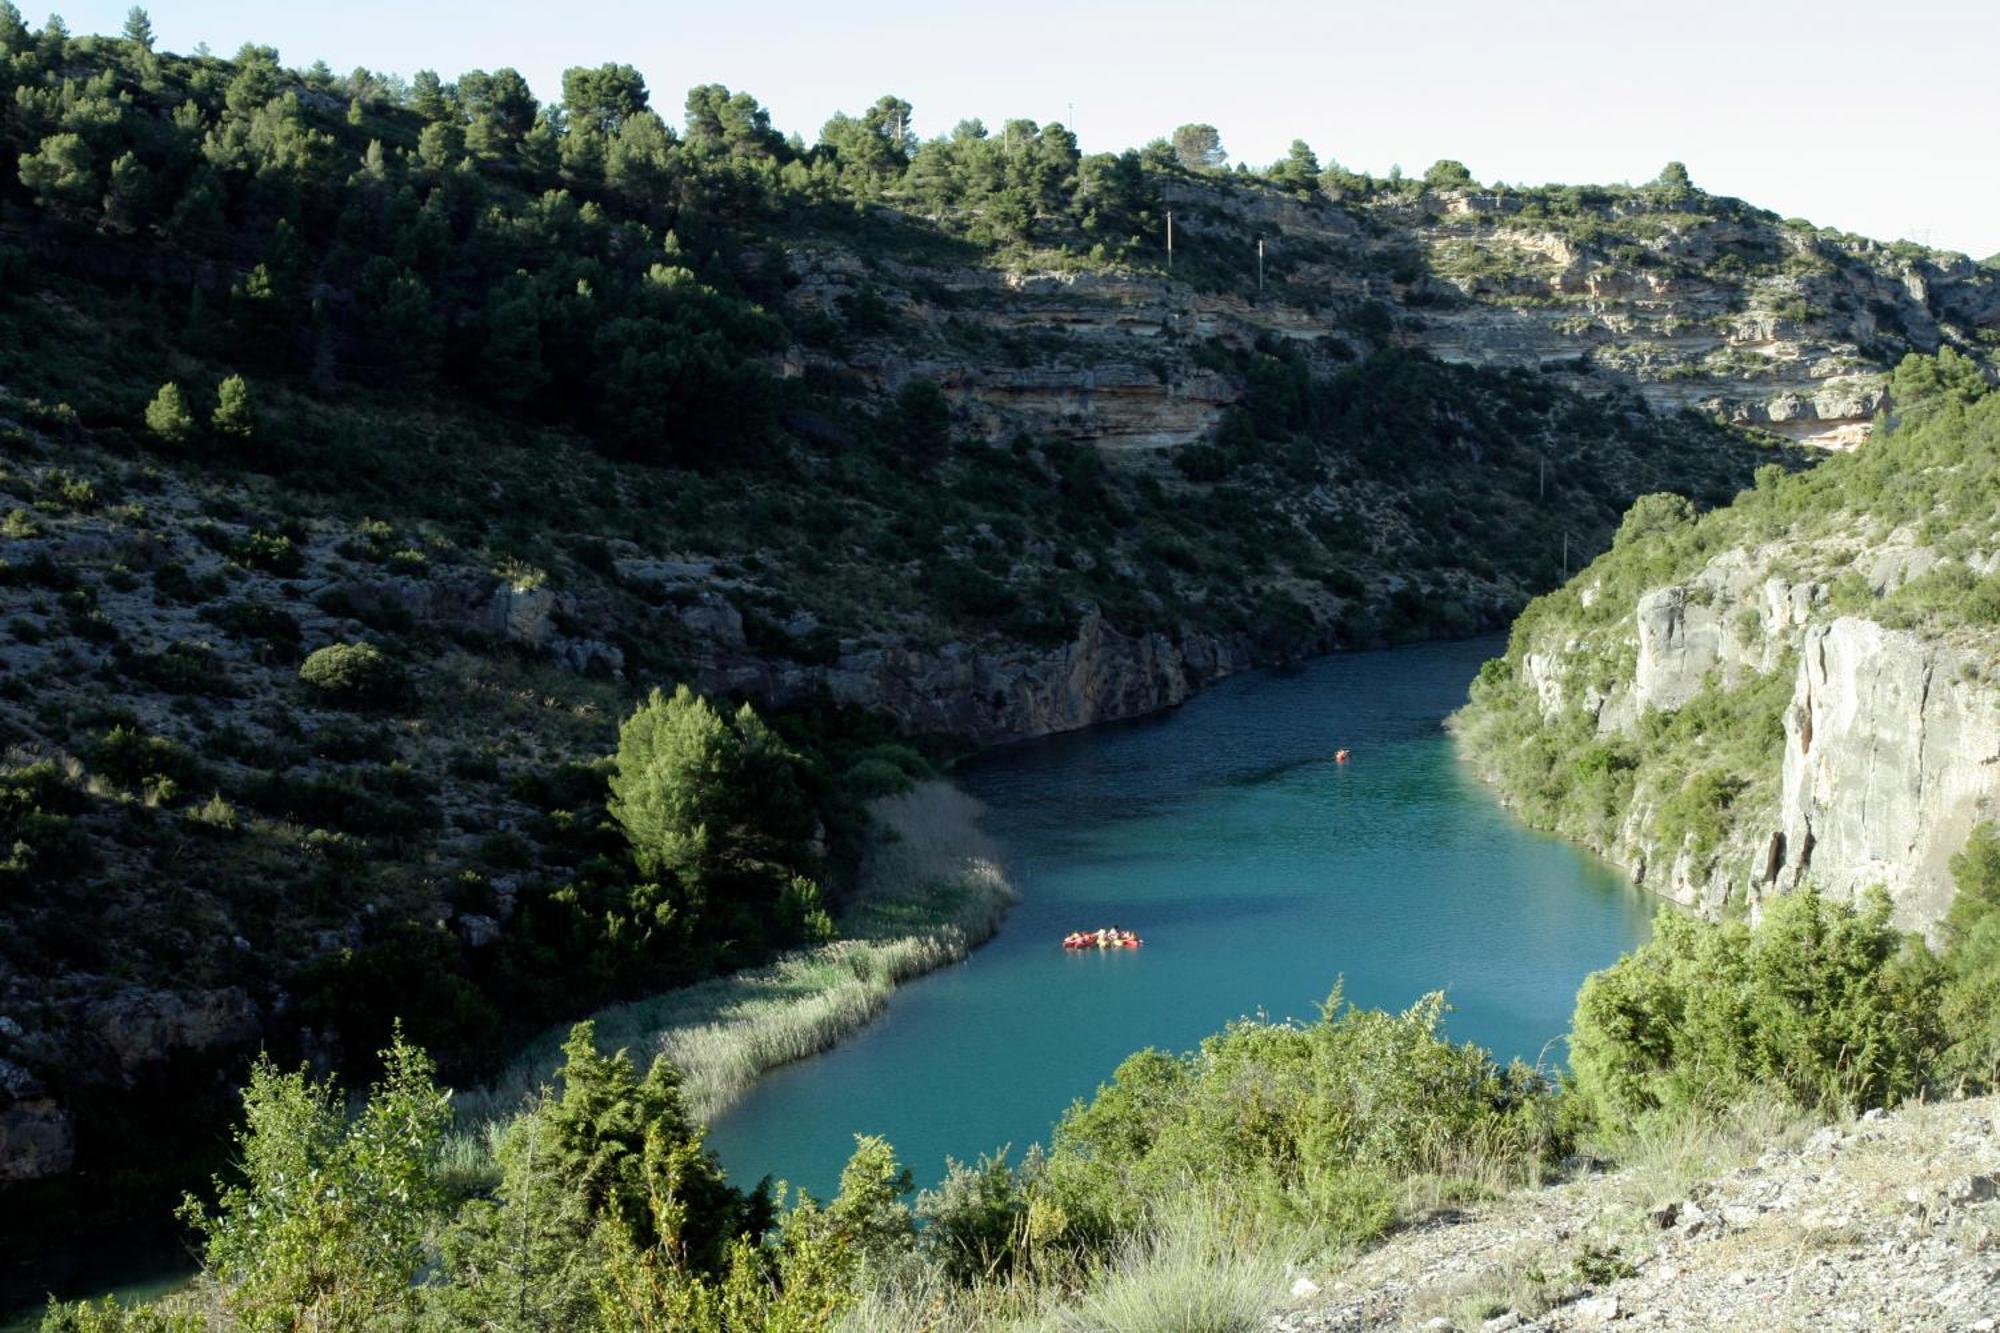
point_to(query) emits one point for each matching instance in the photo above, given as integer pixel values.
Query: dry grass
(1194, 1270)
(1530, 1279)
(931, 890)
(1664, 1159)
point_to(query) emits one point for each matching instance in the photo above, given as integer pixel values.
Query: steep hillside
(1798, 688)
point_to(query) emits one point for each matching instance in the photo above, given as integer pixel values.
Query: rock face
(1891, 741)
(991, 695)
(37, 1136)
(140, 1027)
(1699, 307)
(1680, 642)
(1892, 755)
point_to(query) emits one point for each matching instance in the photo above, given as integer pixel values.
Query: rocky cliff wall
(1892, 755)
(991, 695)
(1891, 739)
(1760, 323)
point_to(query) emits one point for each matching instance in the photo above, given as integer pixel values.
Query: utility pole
(1260, 263)
(1170, 240)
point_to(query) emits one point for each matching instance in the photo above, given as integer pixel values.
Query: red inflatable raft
(1108, 938)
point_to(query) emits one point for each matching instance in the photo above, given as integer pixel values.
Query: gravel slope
(1890, 1222)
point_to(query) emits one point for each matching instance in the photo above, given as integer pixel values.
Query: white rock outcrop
(1892, 755)
(1681, 638)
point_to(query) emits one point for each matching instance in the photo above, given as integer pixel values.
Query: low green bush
(1323, 1126)
(40, 842)
(355, 674)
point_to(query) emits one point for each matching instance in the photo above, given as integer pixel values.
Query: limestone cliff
(1892, 755)
(1001, 693)
(1797, 689)
(1695, 303)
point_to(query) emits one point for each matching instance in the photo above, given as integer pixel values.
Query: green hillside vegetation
(1170, 1201)
(1713, 764)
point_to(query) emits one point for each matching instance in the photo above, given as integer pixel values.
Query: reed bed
(931, 890)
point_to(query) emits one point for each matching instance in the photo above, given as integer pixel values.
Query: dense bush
(1822, 1002)
(1972, 953)
(1324, 1125)
(40, 841)
(355, 674)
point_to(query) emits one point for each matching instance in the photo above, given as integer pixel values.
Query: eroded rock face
(118, 1040)
(1891, 741)
(1680, 642)
(1892, 755)
(140, 1027)
(995, 694)
(37, 1136)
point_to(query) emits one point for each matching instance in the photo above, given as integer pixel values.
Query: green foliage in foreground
(1826, 1003)
(1972, 952)
(609, 1212)
(329, 1224)
(1324, 1125)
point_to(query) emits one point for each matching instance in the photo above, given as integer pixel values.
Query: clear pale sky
(1876, 116)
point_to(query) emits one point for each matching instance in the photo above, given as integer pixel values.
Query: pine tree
(168, 417)
(14, 34)
(614, 1134)
(128, 194)
(713, 802)
(62, 173)
(1199, 147)
(533, 1256)
(233, 412)
(139, 28)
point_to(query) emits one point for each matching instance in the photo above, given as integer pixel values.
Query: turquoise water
(1258, 872)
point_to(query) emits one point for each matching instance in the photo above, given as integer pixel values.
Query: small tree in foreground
(326, 1227)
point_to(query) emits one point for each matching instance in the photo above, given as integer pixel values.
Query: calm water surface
(1258, 871)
